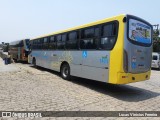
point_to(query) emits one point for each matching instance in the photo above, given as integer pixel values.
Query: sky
(20, 19)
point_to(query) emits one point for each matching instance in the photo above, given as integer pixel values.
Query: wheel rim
(65, 72)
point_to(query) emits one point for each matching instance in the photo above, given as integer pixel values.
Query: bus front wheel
(34, 62)
(65, 71)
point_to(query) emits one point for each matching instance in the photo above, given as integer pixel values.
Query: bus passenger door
(45, 59)
(55, 60)
(75, 60)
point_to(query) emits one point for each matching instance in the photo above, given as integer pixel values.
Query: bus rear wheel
(65, 71)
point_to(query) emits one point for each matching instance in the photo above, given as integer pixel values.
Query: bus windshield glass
(154, 57)
(139, 32)
(27, 43)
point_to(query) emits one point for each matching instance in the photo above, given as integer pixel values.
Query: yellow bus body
(117, 74)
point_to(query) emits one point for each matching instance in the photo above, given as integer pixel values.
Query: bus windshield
(27, 43)
(155, 57)
(139, 32)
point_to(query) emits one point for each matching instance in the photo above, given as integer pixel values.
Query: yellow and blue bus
(115, 50)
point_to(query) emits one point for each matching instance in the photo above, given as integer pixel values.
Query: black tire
(15, 60)
(65, 72)
(34, 62)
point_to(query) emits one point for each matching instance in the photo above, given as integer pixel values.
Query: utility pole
(156, 30)
(157, 26)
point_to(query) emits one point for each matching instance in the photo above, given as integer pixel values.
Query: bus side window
(39, 44)
(32, 45)
(87, 44)
(35, 44)
(108, 36)
(52, 43)
(45, 43)
(96, 32)
(71, 42)
(61, 40)
(87, 39)
(42, 43)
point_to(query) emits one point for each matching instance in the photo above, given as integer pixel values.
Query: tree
(156, 39)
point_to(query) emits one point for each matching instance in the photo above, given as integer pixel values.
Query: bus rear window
(139, 32)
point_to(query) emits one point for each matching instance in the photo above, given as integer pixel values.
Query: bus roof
(17, 41)
(82, 26)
